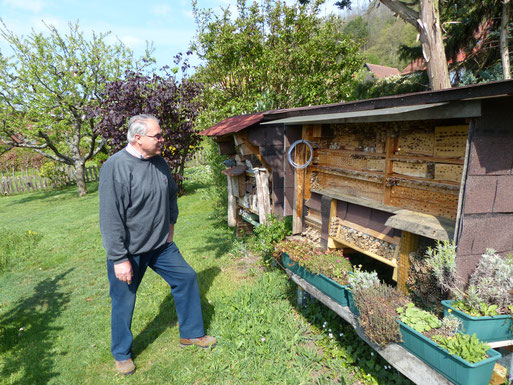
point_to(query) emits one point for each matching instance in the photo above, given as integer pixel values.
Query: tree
(47, 88)
(176, 105)
(271, 56)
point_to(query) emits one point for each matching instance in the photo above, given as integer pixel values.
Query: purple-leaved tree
(175, 104)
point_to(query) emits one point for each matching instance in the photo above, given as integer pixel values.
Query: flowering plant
(331, 263)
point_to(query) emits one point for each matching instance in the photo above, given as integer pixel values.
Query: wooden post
(232, 204)
(333, 214)
(409, 243)
(387, 190)
(263, 201)
(299, 181)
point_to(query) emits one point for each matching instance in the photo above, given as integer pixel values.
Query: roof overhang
(446, 110)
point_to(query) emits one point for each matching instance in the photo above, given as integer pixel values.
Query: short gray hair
(137, 126)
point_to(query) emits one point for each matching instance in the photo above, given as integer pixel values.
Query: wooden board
(451, 141)
(411, 169)
(416, 142)
(425, 201)
(351, 186)
(450, 172)
(376, 164)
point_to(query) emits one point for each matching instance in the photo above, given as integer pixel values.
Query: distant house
(379, 72)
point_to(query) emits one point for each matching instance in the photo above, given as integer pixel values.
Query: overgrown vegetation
(16, 247)
(267, 235)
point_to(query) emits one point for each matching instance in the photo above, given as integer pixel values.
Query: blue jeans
(167, 261)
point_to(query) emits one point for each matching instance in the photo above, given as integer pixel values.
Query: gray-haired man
(138, 210)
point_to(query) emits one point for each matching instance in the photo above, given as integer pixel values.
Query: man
(138, 210)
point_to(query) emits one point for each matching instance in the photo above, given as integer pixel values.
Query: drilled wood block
(411, 169)
(351, 186)
(451, 141)
(451, 172)
(416, 142)
(376, 164)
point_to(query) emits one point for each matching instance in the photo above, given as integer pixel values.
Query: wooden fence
(30, 180)
(198, 159)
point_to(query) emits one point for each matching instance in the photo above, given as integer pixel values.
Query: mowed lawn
(55, 307)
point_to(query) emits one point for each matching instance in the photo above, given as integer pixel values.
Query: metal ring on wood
(292, 146)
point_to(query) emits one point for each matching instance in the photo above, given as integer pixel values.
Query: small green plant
(377, 307)
(418, 319)
(266, 235)
(449, 326)
(361, 280)
(482, 309)
(467, 347)
(331, 262)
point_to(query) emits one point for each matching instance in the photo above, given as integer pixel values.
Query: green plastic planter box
(486, 328)
(329, 287)
(350, 300)
(455, 368)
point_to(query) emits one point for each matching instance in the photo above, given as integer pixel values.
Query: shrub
(54, 173)
(377, 306)
(266, 235)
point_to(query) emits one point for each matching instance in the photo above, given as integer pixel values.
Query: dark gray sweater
(137, 204)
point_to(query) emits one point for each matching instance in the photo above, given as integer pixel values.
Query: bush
(266, 235)
(54, 172)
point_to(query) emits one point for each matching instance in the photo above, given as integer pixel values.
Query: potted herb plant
(487, 305)
(376, 303)
(327, 270)
(462, 358)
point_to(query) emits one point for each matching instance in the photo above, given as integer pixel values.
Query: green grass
(55, 307)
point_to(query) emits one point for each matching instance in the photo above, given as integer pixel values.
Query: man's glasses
(156, 136)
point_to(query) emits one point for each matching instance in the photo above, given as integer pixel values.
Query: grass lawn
(55, 307)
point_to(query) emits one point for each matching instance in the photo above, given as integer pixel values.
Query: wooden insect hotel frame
(387, 176)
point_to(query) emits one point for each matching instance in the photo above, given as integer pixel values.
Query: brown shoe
(204, 342)
(125, 367)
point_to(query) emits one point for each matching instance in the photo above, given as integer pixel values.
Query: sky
(168, 24)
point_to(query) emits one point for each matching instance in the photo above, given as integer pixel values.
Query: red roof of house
(232, 124)
(382, 71)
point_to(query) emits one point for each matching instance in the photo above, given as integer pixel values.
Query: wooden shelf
(356, 174)
(366, 154)
(397, 356)
(427, 159)
(436, 183)
(384, 260)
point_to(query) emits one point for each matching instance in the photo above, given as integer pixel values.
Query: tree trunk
(432, 45)
(506, 9)
(80, 176)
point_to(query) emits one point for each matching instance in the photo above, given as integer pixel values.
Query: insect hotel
(385, 177)
(381, 176)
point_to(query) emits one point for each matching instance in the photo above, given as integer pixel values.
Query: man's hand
(171, 231)
(123, 271)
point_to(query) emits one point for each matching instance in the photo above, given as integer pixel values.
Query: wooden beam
(409, 243)
(389, 150)
(232, 203)
(263, 200)
(297, 219)
(389, 262)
